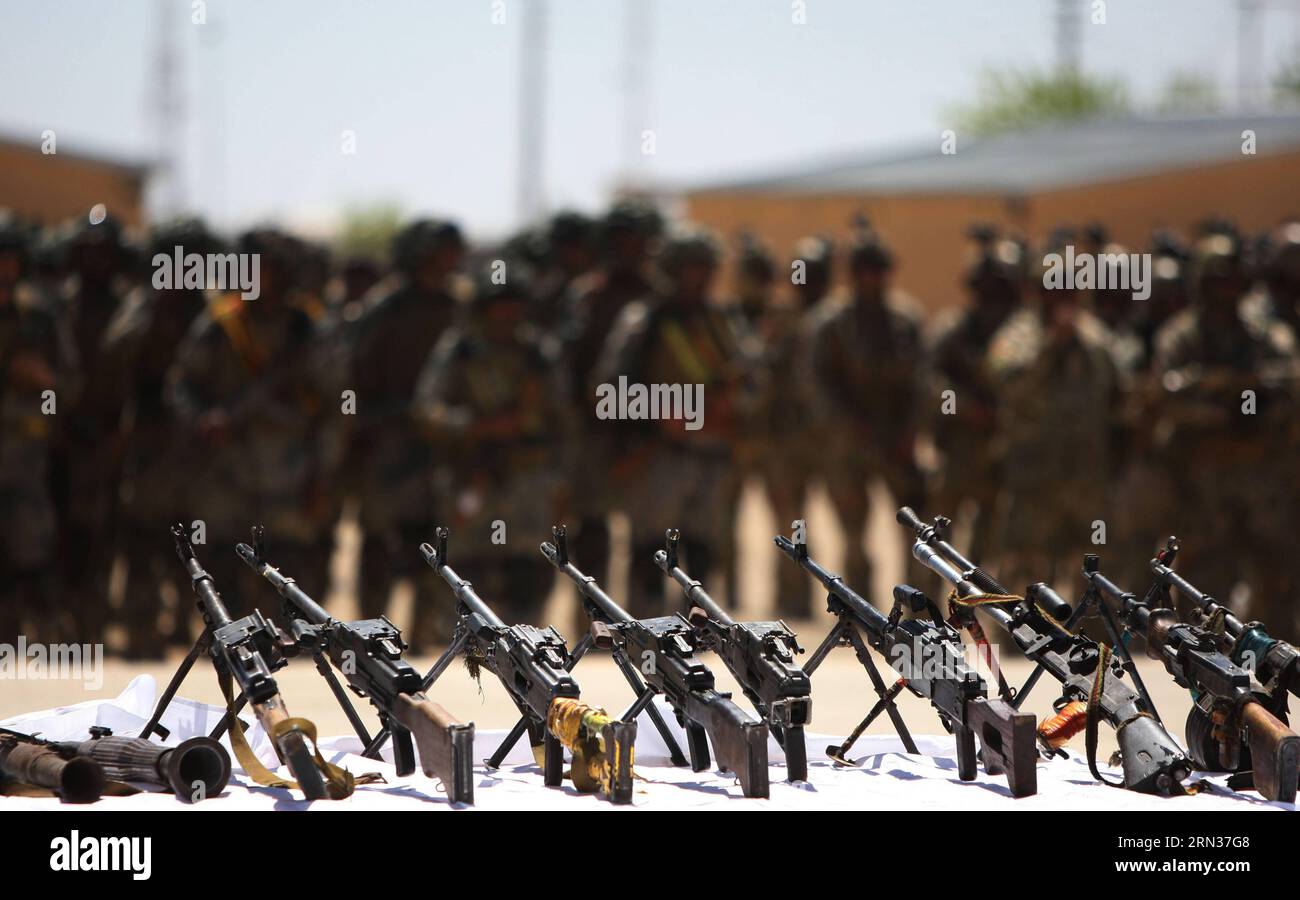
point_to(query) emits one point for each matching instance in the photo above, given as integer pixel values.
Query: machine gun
(667, 644)
(1272, 661)
(759, 655)
(1228, 729)
(532, 665)
(928, 655)
(194, 770)
(1152, 761)
(368, 653)
(245, 652)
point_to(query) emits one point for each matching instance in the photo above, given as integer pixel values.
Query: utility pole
(637, 24)
(1069, 37)
(531, 202)
(167, 112)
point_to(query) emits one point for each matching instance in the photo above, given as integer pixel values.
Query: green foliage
(368, 230)
(1286, 83)
(1010, 100)
(1189, 92)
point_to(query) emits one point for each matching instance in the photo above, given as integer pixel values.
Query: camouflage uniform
(792, 455)
(88, 458)
(593, 304)
(1231, 469)
(142, 342)
(1056, 387)
(669, 476)
(245, 385)
(29, 365)
(392, 459)
(969, 470)
(497, 406)
(865, 355)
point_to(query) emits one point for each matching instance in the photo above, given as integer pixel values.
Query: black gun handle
(796, 754)
(403, 749)
(697, 745)
(552, 761)
(965, 752)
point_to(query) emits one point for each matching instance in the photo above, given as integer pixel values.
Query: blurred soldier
(29, 366)
(625, 241)
(1169, 259)
(672, 470)
(394, 337)
(89, 455)
(246, 385)
(142, 341)
(865, 357)
(964, 425)
(791, 452)
(1229, 400)
(569, 252)
(747, 314)
(1280, 271)
(1055, 388)
(496, 405)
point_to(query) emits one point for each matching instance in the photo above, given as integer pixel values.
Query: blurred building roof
(1045, 158)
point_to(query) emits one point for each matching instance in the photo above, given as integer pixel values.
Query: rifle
(33, 764)
(1227, 716)
(246, 651)
(759, 655)
(532, 665)
(1274, 662)
(1152, 761)
(368, 654)
(667, 646)
(195, 770)
(929, 657)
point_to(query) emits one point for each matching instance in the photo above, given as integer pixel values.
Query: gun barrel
(587, 586)
(464, 590)
(1186, 589)
(286, 587)
(870, 617)
(205, 591)
(76, 780)
(695, 593)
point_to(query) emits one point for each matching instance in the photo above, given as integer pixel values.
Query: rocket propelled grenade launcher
(1152, 761)
(368, 654)
(930, 657)
(668, 644)
(194, 770)
(1227, 716)
(759, 655)
(532, 665)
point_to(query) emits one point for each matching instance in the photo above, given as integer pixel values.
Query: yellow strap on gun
(339, 782)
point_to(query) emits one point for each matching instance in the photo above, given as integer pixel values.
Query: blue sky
(430, 88)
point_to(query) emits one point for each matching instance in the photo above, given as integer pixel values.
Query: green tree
(368, 230)
(1189, 92)
(1009, 100)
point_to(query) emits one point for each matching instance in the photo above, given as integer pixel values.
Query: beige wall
(928, 232)
(60, 186)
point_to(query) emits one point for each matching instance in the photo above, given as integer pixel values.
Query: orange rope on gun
(971, 624)
(1068, 721)
(578, 726)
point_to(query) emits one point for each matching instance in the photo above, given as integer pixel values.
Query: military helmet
(190, 234)
(753, 260)
(1282, 259)
(997, 259)
(569, 227)
(418, 239)
(632, 216)
(1216, 255)
(492, 283)
(867, 249)
(687, 245)
(13, 235)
